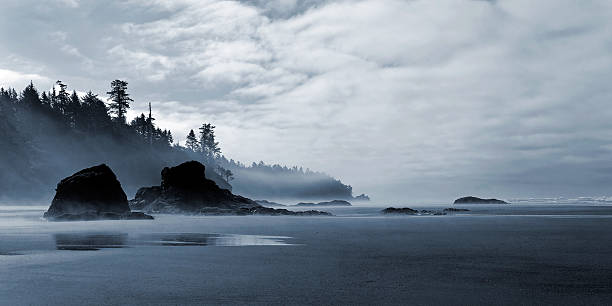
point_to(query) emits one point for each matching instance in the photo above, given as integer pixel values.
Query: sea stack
(475, 200)
(91, 194)
(185, 189)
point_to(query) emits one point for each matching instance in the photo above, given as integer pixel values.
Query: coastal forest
(47, 135)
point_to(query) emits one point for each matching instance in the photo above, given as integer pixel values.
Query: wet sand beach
(494, 256)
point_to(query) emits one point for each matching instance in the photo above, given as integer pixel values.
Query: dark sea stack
(402, 211)
(330, 203)
(185, 189)
(91, 194)
(266, 211)
(475, 200)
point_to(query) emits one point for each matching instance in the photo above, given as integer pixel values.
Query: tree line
(46, 134)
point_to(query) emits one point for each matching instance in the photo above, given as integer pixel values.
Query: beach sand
(358, 258)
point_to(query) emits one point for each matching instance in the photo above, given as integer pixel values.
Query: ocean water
(543, 253)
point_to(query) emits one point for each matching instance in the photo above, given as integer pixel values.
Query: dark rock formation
(403, 210)
(265, 211)
(284, 212)
(410, 211)
(475, 200)
(452, 209)
(185, 189)
(91, 194)
(432, 212)
(330, 203)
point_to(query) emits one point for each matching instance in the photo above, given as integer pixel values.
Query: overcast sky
(401, 99)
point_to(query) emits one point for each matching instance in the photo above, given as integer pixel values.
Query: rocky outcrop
(403, 211)
(185, 189)
(91, 194)
(263, 211)
(452, 209)
(330, 203)
(475, 200)
(427, 212)
(410, 211)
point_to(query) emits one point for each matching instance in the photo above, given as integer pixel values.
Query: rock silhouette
(330, 203)
(91, 194)
(403, 210)
(185, 189)
(475, 200)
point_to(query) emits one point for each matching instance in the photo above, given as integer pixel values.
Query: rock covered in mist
(475, 200)
(330, 203)
(452, 209)
(263, 211)
(145, 195)
(91, 194)
(410, 211)
(403, 210)
(185, 189)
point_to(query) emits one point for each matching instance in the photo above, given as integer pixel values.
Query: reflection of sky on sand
(97, 241)
(199, 239)
(246, 240)
(89, 242)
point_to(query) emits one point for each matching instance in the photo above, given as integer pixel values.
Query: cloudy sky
(401, 99)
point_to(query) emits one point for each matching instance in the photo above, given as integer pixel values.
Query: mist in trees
(48, 135)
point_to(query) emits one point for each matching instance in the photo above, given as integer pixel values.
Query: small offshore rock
(403, 210)
(328, 203)
(476, 200)
(452, 209)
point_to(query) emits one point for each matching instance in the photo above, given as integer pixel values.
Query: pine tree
(170, 138)
(29, 96)
(73, 110)
(44, 99)
(61, 99)
(209, 147)
(192, 142)
(96, 112)
(120, 100)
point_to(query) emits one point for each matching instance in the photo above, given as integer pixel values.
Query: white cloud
(418, 98)
(16, 79)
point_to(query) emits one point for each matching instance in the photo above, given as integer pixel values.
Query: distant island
(475, 200)
(329, 203)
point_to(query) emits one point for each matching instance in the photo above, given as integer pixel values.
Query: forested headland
(47, 135)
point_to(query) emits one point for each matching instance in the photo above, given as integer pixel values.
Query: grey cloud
(399, 98)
